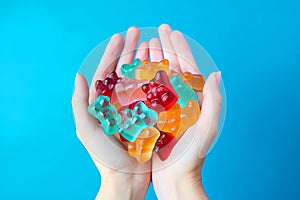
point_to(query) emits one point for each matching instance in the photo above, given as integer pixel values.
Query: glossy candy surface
(105, 87)
(170, 121)
(129, 69)
(177, 120)
(147, 108)
(160, 93)
(129, 90)
(195, 81)
(106, 113)
(137, 119)
(143, 146)
(149, 69)
(164, 145)
(183, 90)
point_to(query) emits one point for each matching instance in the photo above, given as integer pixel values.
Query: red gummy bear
(160, 92)
(164, 145)
(123, 139)
(105, 87)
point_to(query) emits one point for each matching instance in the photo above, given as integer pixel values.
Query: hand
(179, 177)
(122, 177)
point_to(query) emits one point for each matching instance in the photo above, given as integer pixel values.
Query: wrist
(123, 186)
(178, 186)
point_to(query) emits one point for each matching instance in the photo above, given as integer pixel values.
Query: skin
(122, 177)
(171, 175)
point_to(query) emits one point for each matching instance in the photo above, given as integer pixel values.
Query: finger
(143, 51)
(155, 50)
(168, 49)
(184, 53)
(207, 125)
(84, 121)
(107, 63)
(132, 37)
(87, 127)
(95, 141)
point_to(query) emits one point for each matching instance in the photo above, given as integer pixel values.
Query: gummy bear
(184, 91)
(160, 92)
(177, 120)
(137, 119)
(164, 145)
(105, 87)
(149, 69)
(130, 106)
(106, 113)
(142, 147)
(123, 140)
(129, 69)
(170, 121)
(195, 81)
(129, 90)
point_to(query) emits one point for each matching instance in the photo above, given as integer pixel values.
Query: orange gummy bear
(196, 81)
(177, 120)
(170, 121)
(142, 147)
(149, 69)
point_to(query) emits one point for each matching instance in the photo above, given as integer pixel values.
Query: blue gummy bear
(136, 120)
(184, 91)
(106, 113)
(129, 69)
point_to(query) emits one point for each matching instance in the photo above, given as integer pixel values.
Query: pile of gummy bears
(149, 108)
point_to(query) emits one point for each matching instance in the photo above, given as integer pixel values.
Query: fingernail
(76, 77)
(218, 77)
(165, 26)
(132, 28)
(177, 32)
(74, 87)
(76, 81)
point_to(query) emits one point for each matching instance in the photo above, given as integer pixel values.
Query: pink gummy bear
(128, 91)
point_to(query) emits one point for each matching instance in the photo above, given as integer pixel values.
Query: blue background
(255, 44)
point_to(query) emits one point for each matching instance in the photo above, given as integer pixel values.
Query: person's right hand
(179, 177)
(122, 177)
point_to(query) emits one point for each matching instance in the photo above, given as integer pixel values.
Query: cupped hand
(122, 177)
(179, 177)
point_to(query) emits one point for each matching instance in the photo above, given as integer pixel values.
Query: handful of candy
(149, 108)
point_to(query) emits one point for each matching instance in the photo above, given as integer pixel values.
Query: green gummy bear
(129, 69)
(136, 120)
(106, 113)
(184, 91)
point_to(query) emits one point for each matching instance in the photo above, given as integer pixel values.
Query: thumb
(208, 121)
(80, 98)
(87, 129)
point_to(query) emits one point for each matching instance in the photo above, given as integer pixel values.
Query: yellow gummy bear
(149, 69)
